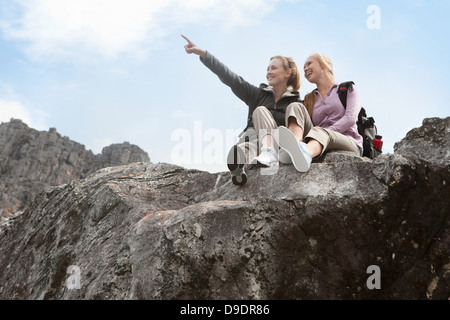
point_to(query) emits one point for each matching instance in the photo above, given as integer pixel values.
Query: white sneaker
(268, 157)
(297, 150)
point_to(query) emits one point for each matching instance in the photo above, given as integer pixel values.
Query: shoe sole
(235, 163)
(239, 180)
(284, 157)
(290, 143)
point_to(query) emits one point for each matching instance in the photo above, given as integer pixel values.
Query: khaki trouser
(248, 142)
(330, 140)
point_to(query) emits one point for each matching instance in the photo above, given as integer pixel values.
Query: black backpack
(366, 125)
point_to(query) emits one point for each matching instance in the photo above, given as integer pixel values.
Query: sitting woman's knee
(295, 105)
(260, 109)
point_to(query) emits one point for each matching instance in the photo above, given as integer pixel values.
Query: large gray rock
(158, 231)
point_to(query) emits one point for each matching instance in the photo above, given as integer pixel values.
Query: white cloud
(178, 114)
(107, 27)
(15, 109)
(226, 13)
(66, 29)
(12, 106)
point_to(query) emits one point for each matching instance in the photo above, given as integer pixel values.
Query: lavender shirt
(331, 114)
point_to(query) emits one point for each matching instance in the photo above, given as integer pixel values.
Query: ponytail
(310, 101)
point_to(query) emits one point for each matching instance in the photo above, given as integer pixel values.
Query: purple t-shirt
(331, 114)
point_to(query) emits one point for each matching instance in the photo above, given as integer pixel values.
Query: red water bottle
(377, 142)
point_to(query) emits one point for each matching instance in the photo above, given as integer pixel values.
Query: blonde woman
(323, 124)
(268, 106)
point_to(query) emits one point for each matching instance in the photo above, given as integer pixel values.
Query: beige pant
(330, 140)
(248, 142)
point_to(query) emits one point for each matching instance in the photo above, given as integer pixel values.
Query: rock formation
(156, 231)
(31, 160)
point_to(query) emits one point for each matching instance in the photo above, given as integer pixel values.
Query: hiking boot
(268, 157)
(297, 150)
(235, 163)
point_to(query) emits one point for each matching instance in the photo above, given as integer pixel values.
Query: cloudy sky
(109, 71)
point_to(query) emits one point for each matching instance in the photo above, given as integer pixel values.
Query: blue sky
(104, 71)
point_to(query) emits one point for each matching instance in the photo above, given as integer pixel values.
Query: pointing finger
(189, 41)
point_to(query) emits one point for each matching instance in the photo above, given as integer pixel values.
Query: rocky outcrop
(349, 228)
(31, 160)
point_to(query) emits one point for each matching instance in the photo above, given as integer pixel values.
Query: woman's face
(276, 74)
(313, 70)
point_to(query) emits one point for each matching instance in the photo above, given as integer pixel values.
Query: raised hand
(192, 48)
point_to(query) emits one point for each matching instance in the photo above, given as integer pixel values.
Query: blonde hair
(289, 64)
(326, 63)
(310, 101)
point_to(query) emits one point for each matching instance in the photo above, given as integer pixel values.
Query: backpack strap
(342, 91)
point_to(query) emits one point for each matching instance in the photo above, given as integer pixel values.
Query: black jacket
(251, 95)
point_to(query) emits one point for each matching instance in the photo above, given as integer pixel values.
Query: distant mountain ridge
(32, 159)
